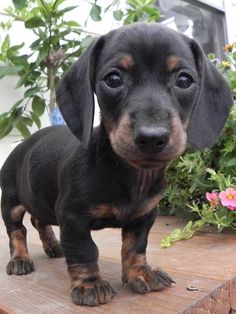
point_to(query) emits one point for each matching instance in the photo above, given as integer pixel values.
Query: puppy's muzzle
(151, 139)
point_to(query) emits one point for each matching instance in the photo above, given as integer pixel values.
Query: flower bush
(219, 209)
(196, 173)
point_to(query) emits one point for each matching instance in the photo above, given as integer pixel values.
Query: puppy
(157, 91)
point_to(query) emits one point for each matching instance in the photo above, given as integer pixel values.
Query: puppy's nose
(151, 140)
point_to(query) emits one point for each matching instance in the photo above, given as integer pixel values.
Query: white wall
(230, 11)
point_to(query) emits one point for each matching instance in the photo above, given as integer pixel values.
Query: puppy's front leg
(87, 287)
(135, 269)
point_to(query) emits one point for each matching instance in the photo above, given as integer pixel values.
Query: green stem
(52, 87)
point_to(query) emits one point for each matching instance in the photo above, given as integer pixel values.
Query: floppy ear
(213, 104)
(75, 93)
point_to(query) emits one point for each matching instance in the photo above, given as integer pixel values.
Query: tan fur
(46, 233)
(127, 61)
(18, 241)
(173, 63)
(178, 138)
(80, 272)
(102, 211)
(17, 213)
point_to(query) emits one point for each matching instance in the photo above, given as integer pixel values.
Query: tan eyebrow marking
(172, 63)
(127, 61)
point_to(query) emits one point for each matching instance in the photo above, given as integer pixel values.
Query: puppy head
(156, 90)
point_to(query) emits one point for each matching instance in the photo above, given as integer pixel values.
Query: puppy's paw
(20, 266)
(53, 251)
(92, 293)
(145, 279)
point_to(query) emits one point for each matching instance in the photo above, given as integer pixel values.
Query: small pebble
(192, 288)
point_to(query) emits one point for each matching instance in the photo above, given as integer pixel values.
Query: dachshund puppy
(157, 92)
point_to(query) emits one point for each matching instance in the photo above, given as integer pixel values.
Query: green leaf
(20, 4)
(23, 129)
(118, 15)
(34, 22)
(36, 44)
(27, 121)
(20, 60)
(42, 55)
(95, 13)
(5, 127)
(38, 106)
(30, 92)
(231, 162)
(67, 9)
(17, 104)
(57, 3)
(15, 116)
(6, 44)
(166, 242)
(3, 116)
(8, 122)
(71, 23)
(22, 80)
(35, 119)
(152, 11)
(10, 70)
(14, 50)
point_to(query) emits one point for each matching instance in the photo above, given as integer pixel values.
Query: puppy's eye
(113, 79)
(184, 80)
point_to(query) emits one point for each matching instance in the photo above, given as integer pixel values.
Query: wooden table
(207, 261)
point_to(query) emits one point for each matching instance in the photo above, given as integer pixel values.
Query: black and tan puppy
(157, 92)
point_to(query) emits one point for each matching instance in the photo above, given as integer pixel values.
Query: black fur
(114, 176)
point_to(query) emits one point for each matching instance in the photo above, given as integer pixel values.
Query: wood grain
(207, 261)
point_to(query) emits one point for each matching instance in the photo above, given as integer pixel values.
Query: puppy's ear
(213, 104)
(75, 93)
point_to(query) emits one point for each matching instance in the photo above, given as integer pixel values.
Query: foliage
(197, 173)
(137, 10)
(215, 212)
(227, 66)
(58, 41)
(188, 177)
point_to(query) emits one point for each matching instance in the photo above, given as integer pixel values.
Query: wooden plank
(216, 302)
(233, 295)
(207, 260)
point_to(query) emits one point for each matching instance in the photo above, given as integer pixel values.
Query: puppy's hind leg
(51, 245)
(20, 262)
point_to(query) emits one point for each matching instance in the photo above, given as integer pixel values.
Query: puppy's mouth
(145, 149)
(149, 163)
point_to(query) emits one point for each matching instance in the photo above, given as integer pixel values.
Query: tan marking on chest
(108, 211)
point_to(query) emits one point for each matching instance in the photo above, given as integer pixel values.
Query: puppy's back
(36, 157)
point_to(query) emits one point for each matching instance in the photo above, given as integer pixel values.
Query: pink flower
(231, 207)
(212, 198)
(228, 198)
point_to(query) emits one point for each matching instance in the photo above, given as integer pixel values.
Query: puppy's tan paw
(20, 266)
(145, 279)
(92, 293)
